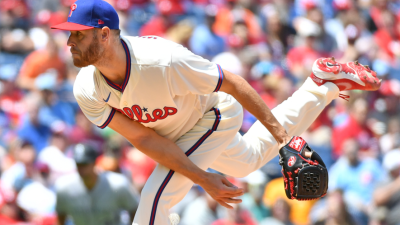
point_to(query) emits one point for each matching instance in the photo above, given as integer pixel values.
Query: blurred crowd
(271, 43)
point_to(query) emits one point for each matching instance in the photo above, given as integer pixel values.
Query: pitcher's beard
(91, 56)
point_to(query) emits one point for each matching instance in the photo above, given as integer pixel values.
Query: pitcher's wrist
(198, 177)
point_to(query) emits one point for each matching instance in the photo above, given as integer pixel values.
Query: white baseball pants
(214, 142)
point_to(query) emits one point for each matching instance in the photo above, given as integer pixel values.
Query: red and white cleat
(347, 76)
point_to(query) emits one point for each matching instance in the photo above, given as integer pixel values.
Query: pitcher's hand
(220, 189)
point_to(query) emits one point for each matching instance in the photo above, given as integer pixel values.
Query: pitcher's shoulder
(85, 74)
(87, 80)
(150, 50)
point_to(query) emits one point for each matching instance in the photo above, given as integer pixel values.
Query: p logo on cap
(73, 7)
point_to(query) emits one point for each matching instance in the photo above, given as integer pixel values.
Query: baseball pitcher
(185, 112)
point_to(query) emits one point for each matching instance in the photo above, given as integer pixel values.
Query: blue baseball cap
(89, 14)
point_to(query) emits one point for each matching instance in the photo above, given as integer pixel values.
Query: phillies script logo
(136, 113)
(292, 161)
(297, 143)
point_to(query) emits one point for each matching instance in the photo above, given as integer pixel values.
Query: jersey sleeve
(94, 108)
(192, 73)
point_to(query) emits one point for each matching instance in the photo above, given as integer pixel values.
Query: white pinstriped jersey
(166, 87)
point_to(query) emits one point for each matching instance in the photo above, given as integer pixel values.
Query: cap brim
(71, 26)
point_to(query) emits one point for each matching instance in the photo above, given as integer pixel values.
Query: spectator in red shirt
(160, 24)
(387, 35)
(38, 62)
(353, 127)
(301, 58)
(140, 165)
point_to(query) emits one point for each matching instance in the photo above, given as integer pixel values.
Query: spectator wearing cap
(204, 41)
(92, 198)
(387, 194)
(112, 159)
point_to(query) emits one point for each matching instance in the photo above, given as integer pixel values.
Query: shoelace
(345, 97)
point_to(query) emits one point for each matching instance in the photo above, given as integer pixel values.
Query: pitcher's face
(85, 47)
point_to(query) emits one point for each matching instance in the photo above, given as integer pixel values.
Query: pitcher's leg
(250, 152)
(165, 188)
(202, 144)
